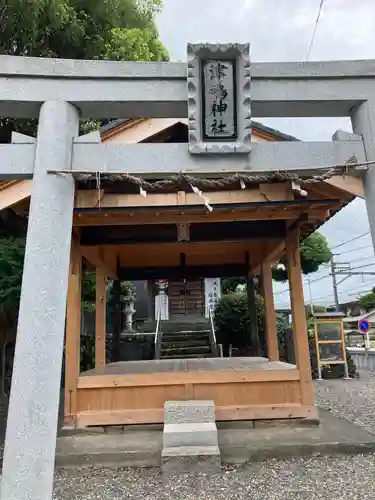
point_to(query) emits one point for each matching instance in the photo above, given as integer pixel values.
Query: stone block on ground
(190, 440)
(189, 412)
(190, 435)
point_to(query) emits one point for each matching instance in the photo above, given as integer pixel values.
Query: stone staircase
(183, 339)
(186, 344)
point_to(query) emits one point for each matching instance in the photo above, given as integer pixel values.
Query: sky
(282, 30)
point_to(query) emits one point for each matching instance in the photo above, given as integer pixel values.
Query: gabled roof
(280, 136)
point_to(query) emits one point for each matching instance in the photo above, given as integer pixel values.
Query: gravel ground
(350, 477)
(350, 399)
(318, 478)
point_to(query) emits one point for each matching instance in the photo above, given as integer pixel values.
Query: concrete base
(192, 459)
(177, 435)
(141, 446)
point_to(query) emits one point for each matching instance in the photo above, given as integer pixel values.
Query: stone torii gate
(60, 93)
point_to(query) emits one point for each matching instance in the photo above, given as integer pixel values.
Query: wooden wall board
(106, 400)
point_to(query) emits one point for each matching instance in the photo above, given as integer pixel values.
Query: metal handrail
(212, 334)
(158, 336)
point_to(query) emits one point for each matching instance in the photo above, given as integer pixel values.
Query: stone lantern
(128, 301)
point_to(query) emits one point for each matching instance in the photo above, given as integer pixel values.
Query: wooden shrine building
(160, 229)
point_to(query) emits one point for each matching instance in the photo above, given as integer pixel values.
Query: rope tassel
(199, 193)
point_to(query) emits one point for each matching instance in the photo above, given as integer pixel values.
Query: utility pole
(344, 269)
(334, 283)
(311, 301)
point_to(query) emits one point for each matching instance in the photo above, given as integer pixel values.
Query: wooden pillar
(73, 332)
(116, 320)
(269, 313)
(301, 340)
(100, 319)
(150, 301)
(251, 304)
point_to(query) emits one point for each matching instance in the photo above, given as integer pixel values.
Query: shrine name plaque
(219, 99)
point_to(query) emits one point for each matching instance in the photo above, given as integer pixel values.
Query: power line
(361, 267)
(311, 281)
(315, 28)
(355, 249)
(349, 241)
(349, 262)
(354, 292)
(360, 259)
(366, 285)
(321, 278)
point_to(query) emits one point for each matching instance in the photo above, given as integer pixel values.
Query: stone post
(34, 402)
(251, 304)
(116, 335)
(363, 122)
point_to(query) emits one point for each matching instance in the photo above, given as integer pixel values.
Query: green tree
(368, 301)
(72, 29)
(230, 284)
(233, 324)
(78, 29)
(314, 252)
(81, 29)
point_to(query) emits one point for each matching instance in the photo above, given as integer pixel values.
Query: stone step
(186, 356)
(180, 327)
(190, 434)
(184, 343)
(202, 335)
(185, 350)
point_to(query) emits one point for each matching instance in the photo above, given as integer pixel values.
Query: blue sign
(363, 325)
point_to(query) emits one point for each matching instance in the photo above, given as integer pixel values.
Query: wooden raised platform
(242, 388)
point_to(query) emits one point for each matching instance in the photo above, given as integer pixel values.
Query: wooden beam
(179, 272)
(269, 312)
(275, 253)
(277, 191)
(73, 333)
(272, 192)
(351, 185)
(167, 233)
(14, 192)
(122, 218)
(159, 379)
(98, 258)
(197, 254)
(100, 319)
(301, 339)
(223, 413)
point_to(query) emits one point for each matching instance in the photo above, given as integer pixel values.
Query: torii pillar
(34, 401)
(363, 123)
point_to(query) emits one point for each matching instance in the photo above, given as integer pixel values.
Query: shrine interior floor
(190, 365)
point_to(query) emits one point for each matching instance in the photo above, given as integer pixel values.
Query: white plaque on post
(219, 102)
(212, 294)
